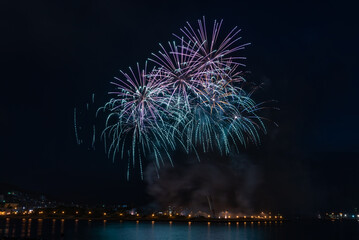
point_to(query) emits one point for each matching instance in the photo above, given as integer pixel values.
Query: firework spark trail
(93, 137)
(139, 118)
(194, 98)
(75, 127)
(177, 66)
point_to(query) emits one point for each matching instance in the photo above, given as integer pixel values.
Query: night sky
(55, 54)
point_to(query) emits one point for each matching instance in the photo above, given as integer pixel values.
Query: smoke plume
(211, 186)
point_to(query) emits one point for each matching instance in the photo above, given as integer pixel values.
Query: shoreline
(170, 220)
(144, 219)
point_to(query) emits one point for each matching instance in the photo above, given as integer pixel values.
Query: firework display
(193, 98)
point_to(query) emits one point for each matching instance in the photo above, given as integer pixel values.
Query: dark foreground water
(99, 230)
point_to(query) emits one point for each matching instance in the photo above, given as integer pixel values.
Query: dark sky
(55, 54)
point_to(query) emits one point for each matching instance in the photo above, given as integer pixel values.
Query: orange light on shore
(189, 215)
(153, 214)
(63, 212)
(244, 216)
(104, 214)
(90, 212)
(209, 216)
